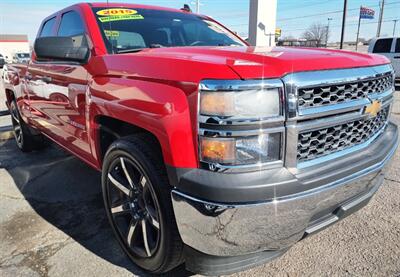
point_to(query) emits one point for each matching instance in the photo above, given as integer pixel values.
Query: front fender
(162, 108)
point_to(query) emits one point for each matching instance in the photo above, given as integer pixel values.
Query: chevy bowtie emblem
(374, 108)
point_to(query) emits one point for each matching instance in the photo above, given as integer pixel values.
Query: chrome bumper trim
(237, 229)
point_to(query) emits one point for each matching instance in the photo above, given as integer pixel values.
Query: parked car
(2, 61)
(21, 58)
(390, 48)
(212, 152)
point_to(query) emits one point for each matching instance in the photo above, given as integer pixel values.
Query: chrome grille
(322, 142)
(338, 93)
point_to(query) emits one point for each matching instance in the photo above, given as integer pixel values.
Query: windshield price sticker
(109, 15)
(111, 33)
(111, 12)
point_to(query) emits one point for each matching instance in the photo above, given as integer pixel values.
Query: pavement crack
(35, 259)
(392, 180)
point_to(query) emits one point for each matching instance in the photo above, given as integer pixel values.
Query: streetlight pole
(382, 6)
(327, 31)
(394, 26)
(343, 23)
(197, 6)
(358, 29)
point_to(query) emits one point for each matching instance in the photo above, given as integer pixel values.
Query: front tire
(137, 198)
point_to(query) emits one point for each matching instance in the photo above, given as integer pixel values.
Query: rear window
(47, 29)
(383, 45)
(23, 55)
(397, 50)
(126, 30)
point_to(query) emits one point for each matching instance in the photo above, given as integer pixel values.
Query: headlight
(250, 104)
(241, 123)
(241, 150)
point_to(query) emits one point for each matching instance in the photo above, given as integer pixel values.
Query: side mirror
(62, 49)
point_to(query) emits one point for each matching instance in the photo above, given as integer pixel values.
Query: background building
(11, 44)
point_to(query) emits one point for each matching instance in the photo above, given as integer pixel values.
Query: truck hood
(267, 62)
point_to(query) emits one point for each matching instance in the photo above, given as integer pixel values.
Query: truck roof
(113, 5)
(127, 5)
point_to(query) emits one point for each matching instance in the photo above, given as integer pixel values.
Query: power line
(353, 24)
(318, 14)
(331, 12)
(309, 5)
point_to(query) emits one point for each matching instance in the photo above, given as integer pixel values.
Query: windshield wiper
(156, 45)
(133, 50)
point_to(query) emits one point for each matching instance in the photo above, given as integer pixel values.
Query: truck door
(33, 79)
(396, 58)
(64, 92)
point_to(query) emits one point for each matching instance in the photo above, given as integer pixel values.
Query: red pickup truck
(212, 152)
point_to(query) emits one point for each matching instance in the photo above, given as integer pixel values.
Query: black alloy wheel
(16, 123)
(137, 198)
(134, 207)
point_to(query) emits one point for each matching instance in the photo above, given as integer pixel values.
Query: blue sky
(24, 17)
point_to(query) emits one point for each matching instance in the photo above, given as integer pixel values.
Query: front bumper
(331, 192)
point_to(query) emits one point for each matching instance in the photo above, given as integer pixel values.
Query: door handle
(46, 79)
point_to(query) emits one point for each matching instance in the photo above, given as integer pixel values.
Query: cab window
(72, 26)
(47, 29)
(383, 45)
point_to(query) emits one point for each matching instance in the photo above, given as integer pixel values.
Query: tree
(318, 33)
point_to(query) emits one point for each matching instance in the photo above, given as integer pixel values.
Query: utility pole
(327, 31)
(394, 26)
(343, 23)
(197, 6)
(382, 6)
(358, 29)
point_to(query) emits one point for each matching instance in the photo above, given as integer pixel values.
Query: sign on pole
(278, 32)
(365, 13)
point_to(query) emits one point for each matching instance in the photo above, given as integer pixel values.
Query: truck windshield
(128, 30)
(23, 55)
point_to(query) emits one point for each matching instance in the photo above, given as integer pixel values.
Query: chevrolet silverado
(213, 153)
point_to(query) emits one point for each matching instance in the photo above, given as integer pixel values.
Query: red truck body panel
(155, 89)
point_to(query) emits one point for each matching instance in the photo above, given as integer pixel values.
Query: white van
(389, 47)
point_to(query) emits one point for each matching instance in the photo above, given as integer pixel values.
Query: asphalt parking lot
(52, 223)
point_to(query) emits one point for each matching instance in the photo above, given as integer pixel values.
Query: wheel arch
(110, 129)
(10, 96)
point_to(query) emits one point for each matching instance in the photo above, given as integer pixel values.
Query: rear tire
(137, 198)
(26, 140)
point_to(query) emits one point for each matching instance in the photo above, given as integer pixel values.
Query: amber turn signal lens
(217, 150)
